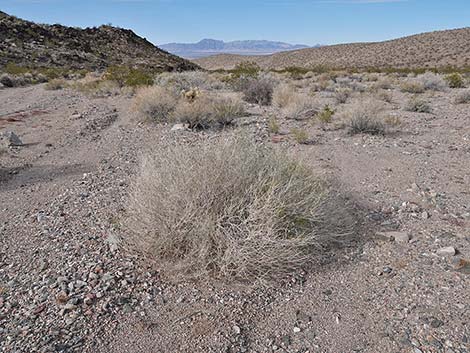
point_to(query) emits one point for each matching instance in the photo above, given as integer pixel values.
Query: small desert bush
(97, 87)
(184, 81)
(259, 91)
(417, 105)
(300, 107)
(55, 84)
(126, 76)
(463, 97)
(283, 95)
(455, 80)
(206, 112)
(383, 83)
(247, 69)
(385, 96)
(432, 81)
(7, 80)
(155, 103)
(342, 95)
(300, 135)
(392, 120)
(412, 86)
(326, 115)
(365, 117)
(231, 210)
(273, 126)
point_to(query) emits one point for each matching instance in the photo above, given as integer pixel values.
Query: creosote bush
(231, 210)
(155, 103)
(455, 80)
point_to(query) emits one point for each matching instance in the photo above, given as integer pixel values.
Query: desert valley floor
(66, 283)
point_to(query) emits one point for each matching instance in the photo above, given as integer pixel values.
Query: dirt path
(66, 286)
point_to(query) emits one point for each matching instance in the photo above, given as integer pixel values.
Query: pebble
(296, 329)
(447, 251)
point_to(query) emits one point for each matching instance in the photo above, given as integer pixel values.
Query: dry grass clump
(283, 95)
(155, 103)
(417, 105)
(342, 95)
(208, 111)
(186, 80)
(258, 91)
(232, 210)
(55, 84)
(300, 136)
(412, 86)
(463, 97)
(300, 107)
(431, 81)
(365, 117)
(385, 96)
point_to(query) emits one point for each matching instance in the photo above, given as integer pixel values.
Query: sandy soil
(67, 285)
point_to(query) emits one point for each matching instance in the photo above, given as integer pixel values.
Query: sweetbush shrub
(418, 106)
(366, 118)
(463, 97)
(258, 91)
(208, 111)
(231, 210)
(455, 80)
(155, 103)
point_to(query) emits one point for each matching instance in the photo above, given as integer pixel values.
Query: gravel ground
(66, 284)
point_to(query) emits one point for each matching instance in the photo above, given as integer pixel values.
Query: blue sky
(295, 21)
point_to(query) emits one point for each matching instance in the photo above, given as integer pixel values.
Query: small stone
(179, 127)
(447, 251)
(399, 237)
(236, 329)
(62, 297)
(435, 323)
(425, 215)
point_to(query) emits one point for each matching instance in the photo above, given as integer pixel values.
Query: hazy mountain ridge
(431, 49)
(39, 45)
(207, 47)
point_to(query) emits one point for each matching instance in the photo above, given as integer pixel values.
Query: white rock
(447, 251)
(9, 138)
(179, 127)
(296, 329)
(399, 237)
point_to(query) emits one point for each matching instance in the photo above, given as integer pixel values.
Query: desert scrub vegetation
(55, 84)
(463, 97)
(455, 80)
(231, 210)
(184, 81)
(300, 107)
(326, 115)
(273, 126)
(417, 105)
(412, 86)
(283, 95)
(258, 91)
(127, 76)
(342, 95)
(365, 117)
(300, 136)
(432, 81)
(208, 111)
(154, 103)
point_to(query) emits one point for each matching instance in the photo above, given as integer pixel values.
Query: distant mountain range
(207, 47)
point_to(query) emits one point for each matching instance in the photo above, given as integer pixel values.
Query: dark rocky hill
(29, 44)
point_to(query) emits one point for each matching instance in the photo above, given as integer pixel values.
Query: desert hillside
(433, 49)
(36, 45)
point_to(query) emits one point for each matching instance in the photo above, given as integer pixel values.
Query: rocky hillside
(207, 47)
(433, 49)
(36, 45)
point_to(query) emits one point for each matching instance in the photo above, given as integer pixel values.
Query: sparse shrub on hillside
(186, 80)
(383, 83)
(206, 112)
(342, 95)
(463, 97)
(432, 81)
(246, 68)
(385, 96)
(55, 84)
(259, 91)
(412, 86)
(98, 87)
(125, 76)
(418, 105)
(233, 210)
(283, 95)
(14, 69)
(455, 80)
(7, 80)
(155, 103)
(392, 120)
(366, 118)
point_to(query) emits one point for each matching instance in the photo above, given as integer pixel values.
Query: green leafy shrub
(326, 115)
